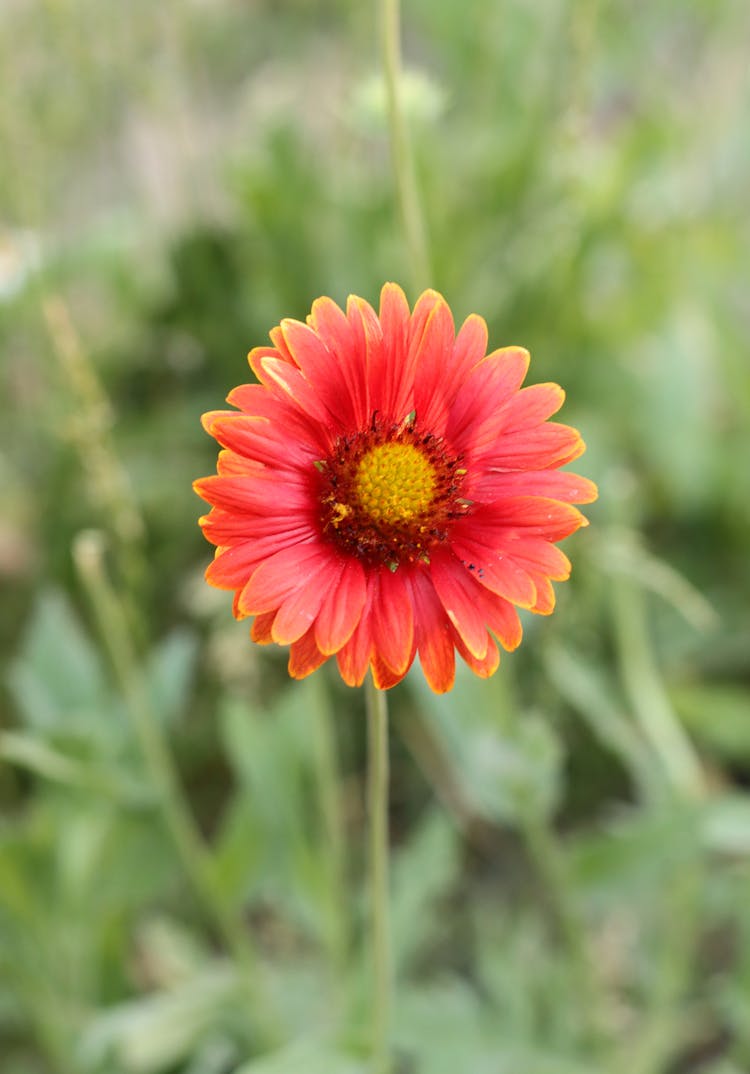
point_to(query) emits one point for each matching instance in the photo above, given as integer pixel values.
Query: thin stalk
(377, 787)
(401, 149)
(651, 707)
(188, 841)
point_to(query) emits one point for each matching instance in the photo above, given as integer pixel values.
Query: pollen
(395, 482)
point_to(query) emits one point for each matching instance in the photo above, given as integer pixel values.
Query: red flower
(387, 490)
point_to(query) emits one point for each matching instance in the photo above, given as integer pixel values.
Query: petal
(474, 413)
(495, 571)
(300, 567)
(260, 631)
(233, 566)
(398, 366)
(525, 516)
(393, 621)
(434, 634)
(457, 591)
(551, 444)
(257, 493)
(532, 406)
(434, 379)
(538, 556)
(305, 657)
(298, 612)
(551, 484)
(382, 675)
(545, 596)
(354, 657)
(341, 608)
(287, 384)
(263, 441)
(487, 665)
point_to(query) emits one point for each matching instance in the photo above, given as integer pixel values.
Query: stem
(188, 841)
(377, 727)
(651, 707)
(401, 149)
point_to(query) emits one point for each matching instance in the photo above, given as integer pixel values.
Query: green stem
(191, 848)
(651, 707)
(377, 726)
(401, 149)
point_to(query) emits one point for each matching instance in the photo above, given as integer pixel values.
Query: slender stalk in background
(188, 841)
(401, 149)
(377, 787)
(653, 712)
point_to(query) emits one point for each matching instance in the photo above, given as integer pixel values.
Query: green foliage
(570, 839)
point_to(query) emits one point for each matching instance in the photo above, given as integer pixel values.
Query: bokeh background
(571, 839)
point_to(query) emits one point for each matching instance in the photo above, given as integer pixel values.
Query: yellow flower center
(388, 494)
(395, 482)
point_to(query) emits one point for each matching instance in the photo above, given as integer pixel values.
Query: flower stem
(192, 851)
(377, 787)
(401, 149)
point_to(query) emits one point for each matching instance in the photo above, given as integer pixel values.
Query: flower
(388, 489)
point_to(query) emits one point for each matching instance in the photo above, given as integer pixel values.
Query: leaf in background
(424, 870)
(149, 1035)
(308, 1057)
(718, 716)
(168, 672)
(58, 681)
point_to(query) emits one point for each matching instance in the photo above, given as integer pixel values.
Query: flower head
(388, 489)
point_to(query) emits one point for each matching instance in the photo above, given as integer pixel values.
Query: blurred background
(571, 839)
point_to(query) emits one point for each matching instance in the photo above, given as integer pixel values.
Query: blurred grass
(175, 179)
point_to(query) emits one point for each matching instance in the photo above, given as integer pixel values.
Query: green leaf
(58, 681)
(718, 716)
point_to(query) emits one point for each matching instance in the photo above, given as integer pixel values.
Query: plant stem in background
(401, 149)
(377, 787)
(112, 622)
(651, 708)
(108, 483)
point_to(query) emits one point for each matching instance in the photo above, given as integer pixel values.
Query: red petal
(287, 572)
(435, 380)
(531, 406)
(457, 591)
(543, 446)
(382, 675)
(260, 631)
(551, 484)
(495, 571)
(393, 621)
(485, 666)
(299, 611)
(305, 657)
(545, 596)
(474, 412)
(341, 608)
(258, 493)
(354, 657)
(525, 516)
(233, 566)
(434, 635)
(398, 380)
